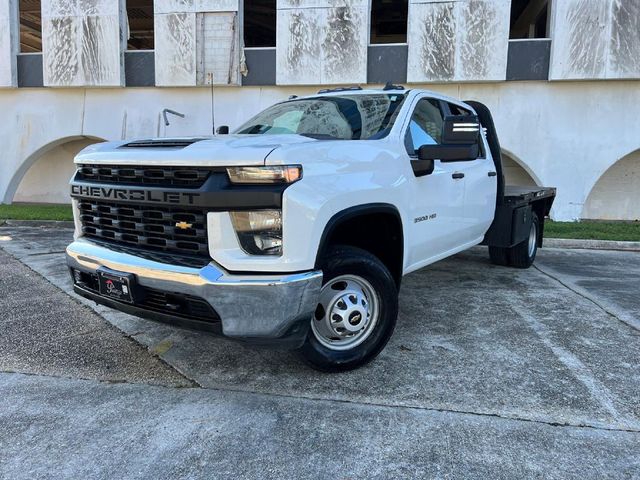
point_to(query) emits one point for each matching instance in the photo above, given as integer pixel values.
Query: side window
(457, 110)
(425, 127)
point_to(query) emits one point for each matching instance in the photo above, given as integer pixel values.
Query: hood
(221, 150)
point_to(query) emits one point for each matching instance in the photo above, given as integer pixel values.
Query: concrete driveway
(492, 372)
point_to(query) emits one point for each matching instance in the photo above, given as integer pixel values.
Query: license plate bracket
(116, 285)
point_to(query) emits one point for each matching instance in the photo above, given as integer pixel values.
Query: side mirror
(460, 129)
(460, 140)
(222, 130)
(449, 153)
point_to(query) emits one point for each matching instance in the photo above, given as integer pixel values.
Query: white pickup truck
(296, 230)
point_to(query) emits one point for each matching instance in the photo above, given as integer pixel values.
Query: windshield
(345, 117)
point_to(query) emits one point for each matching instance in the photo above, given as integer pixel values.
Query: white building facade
(562, 78)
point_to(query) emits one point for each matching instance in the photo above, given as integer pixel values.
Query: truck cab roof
(399, 90)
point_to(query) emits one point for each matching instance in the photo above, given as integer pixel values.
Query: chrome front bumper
(256, 307)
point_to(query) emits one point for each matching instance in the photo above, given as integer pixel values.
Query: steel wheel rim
(533, 239)
(347, 312)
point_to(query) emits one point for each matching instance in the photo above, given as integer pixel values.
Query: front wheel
(356, 312)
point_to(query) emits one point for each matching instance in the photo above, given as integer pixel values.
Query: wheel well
(377, 230)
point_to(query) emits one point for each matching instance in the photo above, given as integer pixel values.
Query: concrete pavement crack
(355, 403)
(40, 254)
(587, 297)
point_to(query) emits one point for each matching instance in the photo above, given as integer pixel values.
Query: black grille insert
(168, 229)
(189, 177)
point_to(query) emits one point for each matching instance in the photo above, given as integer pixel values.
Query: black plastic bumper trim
(291, 340)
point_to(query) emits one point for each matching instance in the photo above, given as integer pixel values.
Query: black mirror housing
(460, 140)
(449, 153)
(222, 130)
(460, 129)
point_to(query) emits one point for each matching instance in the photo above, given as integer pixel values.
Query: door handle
(457, 176)
(492, 174)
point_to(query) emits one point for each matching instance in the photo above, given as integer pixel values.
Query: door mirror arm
(422, 167)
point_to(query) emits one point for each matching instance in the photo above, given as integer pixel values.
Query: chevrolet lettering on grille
(109, 193)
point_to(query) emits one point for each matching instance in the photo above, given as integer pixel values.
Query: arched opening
(44, 176)
(616, 194)
(515, 173)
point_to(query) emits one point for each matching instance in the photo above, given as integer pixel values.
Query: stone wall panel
(82, 43)
(595, 39)
(321, 42)
(458, 40)
(175, 49)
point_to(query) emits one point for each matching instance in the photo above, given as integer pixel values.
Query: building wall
(47, 181)
(556, 130)
(615, 195)
(515, 173)
(561, 132)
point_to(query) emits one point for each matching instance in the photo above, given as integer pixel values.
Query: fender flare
(352, 212)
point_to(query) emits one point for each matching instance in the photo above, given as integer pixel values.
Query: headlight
(278, 174)
(259, 232)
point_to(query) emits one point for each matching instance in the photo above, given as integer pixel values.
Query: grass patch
(24, 211)
(621, 231)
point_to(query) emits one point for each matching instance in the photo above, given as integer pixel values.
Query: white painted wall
(616, 196)
(514, 173)
(566, 134)
(47, 181)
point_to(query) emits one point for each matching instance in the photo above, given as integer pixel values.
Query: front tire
(356, 313)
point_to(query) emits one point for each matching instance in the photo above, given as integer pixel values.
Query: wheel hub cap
(347, 312)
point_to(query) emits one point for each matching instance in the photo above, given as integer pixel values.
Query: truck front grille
(169, 229)
(188, 177)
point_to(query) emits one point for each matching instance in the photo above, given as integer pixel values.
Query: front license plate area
(116, 285)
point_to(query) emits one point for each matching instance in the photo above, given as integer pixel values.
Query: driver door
(437, 199)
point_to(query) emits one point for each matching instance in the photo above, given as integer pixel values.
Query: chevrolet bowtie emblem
(184, 225)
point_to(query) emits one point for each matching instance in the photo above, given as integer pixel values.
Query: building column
(9, 43)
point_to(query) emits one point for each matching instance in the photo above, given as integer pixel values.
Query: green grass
(24, 211)
(624, 231)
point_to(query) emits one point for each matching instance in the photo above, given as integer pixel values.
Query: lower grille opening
(169, 303)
